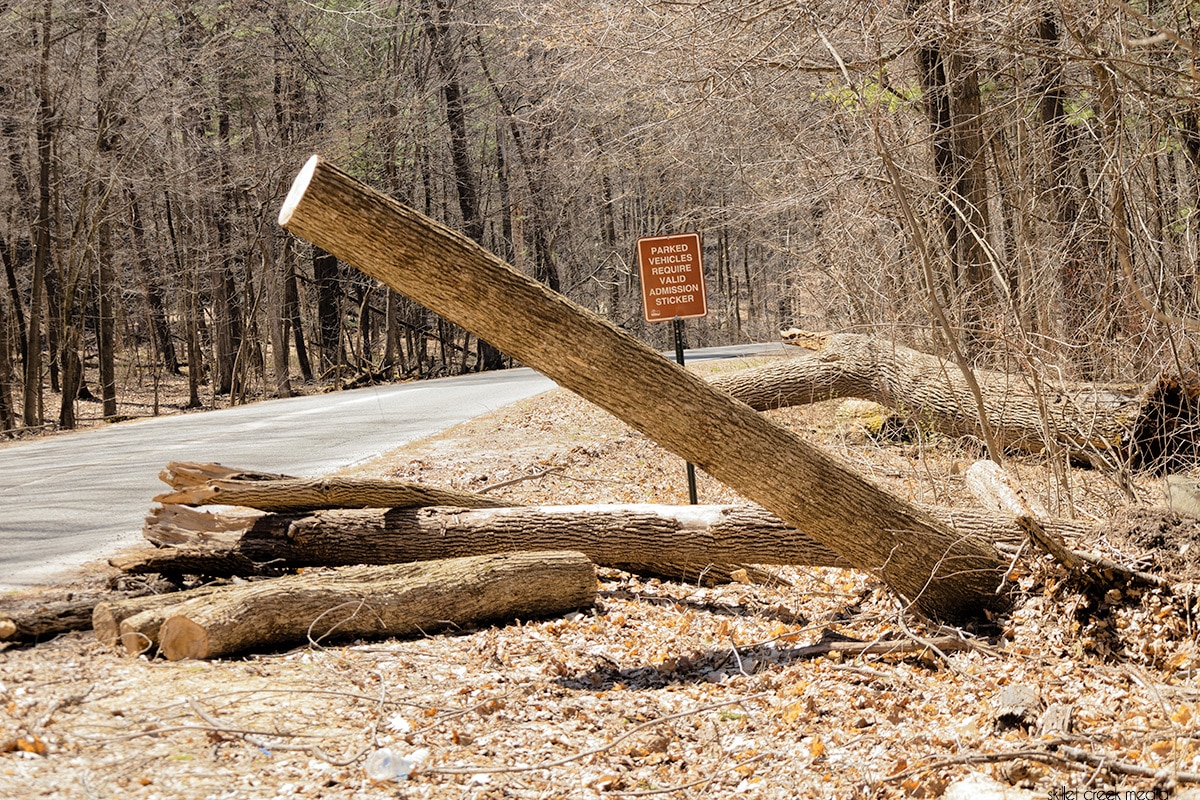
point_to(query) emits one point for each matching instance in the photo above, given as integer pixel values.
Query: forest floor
(662, 688)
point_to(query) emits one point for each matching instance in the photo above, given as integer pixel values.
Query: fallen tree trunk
(44, 613)
(636, 537)
(367, 601)
(24, 619)
(1153, 429)
(284, 493)
(942, 573)
(684, 542)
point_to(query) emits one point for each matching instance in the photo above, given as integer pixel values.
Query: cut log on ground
(942, 573)
(29, 619)
(282, 493)
(1151, 429)
(635, 537)
(683, 542)
(370, 601)
(107, 617)
(44, 613)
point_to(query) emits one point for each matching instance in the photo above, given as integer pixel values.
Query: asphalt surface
(78, 497)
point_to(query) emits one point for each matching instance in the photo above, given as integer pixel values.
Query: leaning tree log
(369, 601)
(940, 571)
(1155, 428)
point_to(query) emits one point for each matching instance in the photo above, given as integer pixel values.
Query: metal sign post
(672, 273)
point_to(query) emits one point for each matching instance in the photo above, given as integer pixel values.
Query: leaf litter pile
(808, 683)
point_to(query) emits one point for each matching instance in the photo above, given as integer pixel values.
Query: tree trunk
(28, 620)
(72, 376)
(40, 614)
(107, 616)
(106, 279)
(7, 418)
(943, 573)
(448, 55)
(308, 494)
(1153, 429)
(291, 300)
(152, 286)
(399, 600)
(32, 407)
(950, 87)
(277, 253)
(679, 541)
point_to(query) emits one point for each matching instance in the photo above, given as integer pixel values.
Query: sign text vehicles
(672, 275)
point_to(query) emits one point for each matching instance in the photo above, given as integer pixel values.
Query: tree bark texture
(226, 543)
(941, 572)
(681, 540)
(25, 620)
(1153, 429)
(368, 601)
(310, 494)
(39, 615)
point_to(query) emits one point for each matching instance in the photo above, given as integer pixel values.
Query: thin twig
(1111, 764)
(1056, 753)
(682, 786)
(940, 644)
(258, 740)
(533, 476)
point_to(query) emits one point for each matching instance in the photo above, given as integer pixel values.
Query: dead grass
(663, 689)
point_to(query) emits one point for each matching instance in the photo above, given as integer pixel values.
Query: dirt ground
(662, 688)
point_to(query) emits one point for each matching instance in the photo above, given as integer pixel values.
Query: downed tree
(28, 619)
(211, 484)
(40, 614)
(678, 541)
(1154, 429)
(684, 542)
(366, 601)
(941, 572)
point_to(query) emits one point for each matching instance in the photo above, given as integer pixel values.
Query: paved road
(79, 497)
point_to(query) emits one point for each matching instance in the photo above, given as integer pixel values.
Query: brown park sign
(672, 277)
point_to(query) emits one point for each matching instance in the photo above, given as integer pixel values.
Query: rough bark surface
(24, 620)
(39, 615)
(1151, 428)
(368, 601)
(942, 573)
(283, 493)
(681, 540)
(643, 536)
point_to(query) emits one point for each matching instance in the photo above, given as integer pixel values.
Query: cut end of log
(134, 642)
(8, 629)
(105, 625)
(181, 638)
(299, 187)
